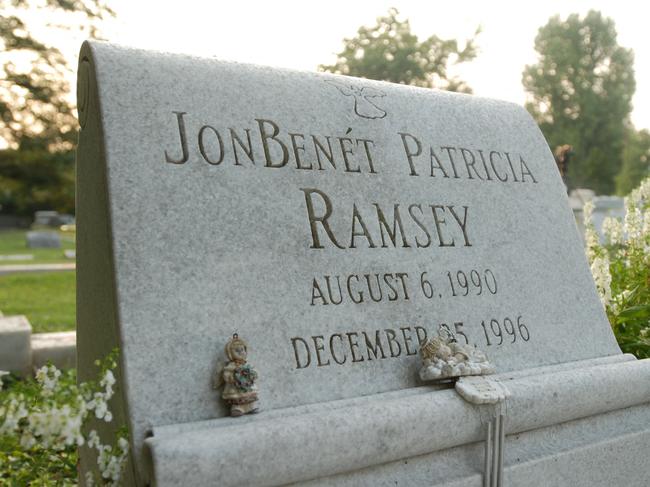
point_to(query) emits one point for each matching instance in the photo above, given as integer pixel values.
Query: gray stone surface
(58, 348)
(179, 248)
(412, 425)
(15, 350)
(609, 450)
(43, 240)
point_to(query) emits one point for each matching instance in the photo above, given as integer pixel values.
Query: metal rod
(487, 468)
(502, 442)
(495, 452)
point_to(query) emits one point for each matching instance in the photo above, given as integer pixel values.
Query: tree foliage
(36, 179)
(580, 92)
(35, 102)
(389, 51)
(636, 161)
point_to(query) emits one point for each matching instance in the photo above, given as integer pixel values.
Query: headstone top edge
(100, 50)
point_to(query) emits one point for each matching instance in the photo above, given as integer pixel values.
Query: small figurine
(238, 379)
(444, 358)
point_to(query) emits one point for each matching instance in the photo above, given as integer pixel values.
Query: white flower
(48, 377)
(13, 413)
(53, 420)
(123, 445)
(587, 211)
(603, 279)
(592, 239)
(592, 242)
(633, 221)
(2, 373)
(93, 439)
(109, 379)
(101, 408)
(641, 194)
(613, 230)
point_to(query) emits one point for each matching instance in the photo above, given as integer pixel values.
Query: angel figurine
(443, 358)
(238, 379)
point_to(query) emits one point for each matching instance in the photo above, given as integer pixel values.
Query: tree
(36, 179)
(580, 92)
(37, 120)
(35, 104)
(389, 51)
(636, 161)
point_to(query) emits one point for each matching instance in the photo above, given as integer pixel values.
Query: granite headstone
(43, 240)
(333, 223)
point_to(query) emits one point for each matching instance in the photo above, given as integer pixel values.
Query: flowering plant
(621, 270)
(41, 427)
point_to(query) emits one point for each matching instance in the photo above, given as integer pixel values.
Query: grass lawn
(47, 299)
(14, 242)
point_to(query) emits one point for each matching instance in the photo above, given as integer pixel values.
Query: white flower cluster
(637, 216)
(613, 230)
(633, 222)
(111, 460)
(48, 378)
(99, 402)
(11, 414)
(603, 279)
(591, 236)
(54, 421)
(628, 241)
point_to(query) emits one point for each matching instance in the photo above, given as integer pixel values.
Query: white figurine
(444, 358)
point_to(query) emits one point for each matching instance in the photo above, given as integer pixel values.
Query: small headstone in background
(45, 218)
(14, 257)
(15, 348)
(70, 253)
(59, 349)
(43, 240)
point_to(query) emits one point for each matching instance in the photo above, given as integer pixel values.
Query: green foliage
(621, 270)
(37, 465)
(389, 51)
(636, 161)
(47, 299)
(580, 92)
(41, 424)
(36, 179)
(35, 101)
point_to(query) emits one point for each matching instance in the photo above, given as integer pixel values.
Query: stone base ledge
(21, 351)
(58, 348)
(299, 444)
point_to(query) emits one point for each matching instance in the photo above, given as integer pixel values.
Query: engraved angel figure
(364, 99)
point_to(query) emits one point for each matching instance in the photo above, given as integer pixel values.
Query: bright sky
(303, 34)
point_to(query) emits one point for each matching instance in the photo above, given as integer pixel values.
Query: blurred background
(582, 69)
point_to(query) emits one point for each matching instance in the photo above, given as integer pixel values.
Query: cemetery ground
(13, 243)
(47, 299)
